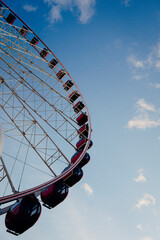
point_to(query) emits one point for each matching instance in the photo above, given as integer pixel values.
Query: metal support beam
(7, 174)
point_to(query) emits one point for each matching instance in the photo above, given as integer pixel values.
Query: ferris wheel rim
(40, 187)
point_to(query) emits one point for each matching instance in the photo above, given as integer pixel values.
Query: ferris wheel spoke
(34, 122)
(46, 72)
(31, 63)
(65, 119)
(2, 172)
(27, 164)
(17, 84)
(7, 175)
(38, 79)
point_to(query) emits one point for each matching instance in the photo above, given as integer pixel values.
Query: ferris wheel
(46, 125)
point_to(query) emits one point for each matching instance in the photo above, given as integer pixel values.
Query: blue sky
(112, 50)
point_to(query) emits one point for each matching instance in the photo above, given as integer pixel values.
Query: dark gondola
(34, 41)
(60, 74)
(73, 177)
(83, 131)
(78, 107)
(10, 19)
(90, 144)
(73, 96)
(23, 31)
(84, 160)
(83, 118)
(54, 194)
(23, 215)
(53, 63)
(44, 53)
(81, 143)
(68, 85)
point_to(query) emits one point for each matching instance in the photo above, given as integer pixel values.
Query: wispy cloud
(55, 14)
(139, 226)
(146, 200)
(126, 3)
(85, 9)
(146, 106)
(141, 177)
(147, 117)
(88, 188)
(141, 66)
(151, 60)
(157, 85)
(138, 77)
(135, 62)
(109, 219)
(154, 57)
(142, 123)
(29, 8)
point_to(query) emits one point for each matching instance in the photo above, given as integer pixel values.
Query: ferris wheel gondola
(45, 122)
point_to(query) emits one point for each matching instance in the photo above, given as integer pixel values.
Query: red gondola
(54, 194)
(78, 106)
(60, 74)
(44, 53)
(53, 63)
(83, 131)
(34, 41)
(84, 160)
(23, 31)
(81, 143)
(83, 118)
(76, 156)
(75, 176)
(68, 85)
(73, 96)
(23, 215)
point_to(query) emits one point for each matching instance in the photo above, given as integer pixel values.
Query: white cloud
(29, 8)
(141, 177)
(153, 59)
(126, 2)
(146, 201)
(88, 188)
(146, 106)
(144, 119)
(142, 123)
(85, 8)
(55, 14)
(139, 226)
(158, 65)
(157, 85)
(109, 219)
(134, 62)
(138, 77)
